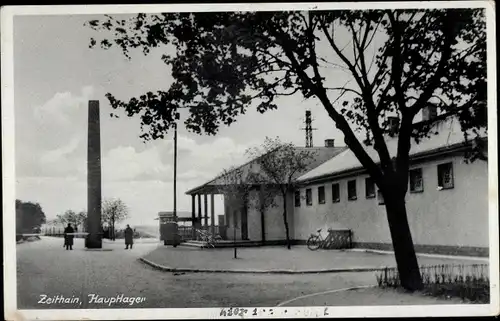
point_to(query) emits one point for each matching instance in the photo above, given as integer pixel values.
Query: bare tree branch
(345, 90)
(312, 52)
(449, 34)
(373, 34)
(342, 56)
(397, 62)
(360, 53)
(333, 64)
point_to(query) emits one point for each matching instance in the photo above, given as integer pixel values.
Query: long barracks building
(447, 199)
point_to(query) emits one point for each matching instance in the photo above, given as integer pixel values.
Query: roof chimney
(393, 124)
(429, 113)
(329, 142)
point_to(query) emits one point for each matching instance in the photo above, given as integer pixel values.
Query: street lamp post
(113, 227)
(175, 170)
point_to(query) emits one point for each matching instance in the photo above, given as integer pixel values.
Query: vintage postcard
(271, 160)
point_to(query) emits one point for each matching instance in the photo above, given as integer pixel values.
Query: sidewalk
(136, 241)
(366, 296)
(279, 260)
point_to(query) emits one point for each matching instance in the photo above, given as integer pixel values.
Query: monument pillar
(94, 238)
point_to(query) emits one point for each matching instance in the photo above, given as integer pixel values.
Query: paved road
(45, 268)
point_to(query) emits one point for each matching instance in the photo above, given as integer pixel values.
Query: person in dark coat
(129, 237)
(68, 239)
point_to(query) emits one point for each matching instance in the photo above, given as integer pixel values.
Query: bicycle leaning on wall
(315, 241)
(336, 239)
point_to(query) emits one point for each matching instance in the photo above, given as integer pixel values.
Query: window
(309, 200)
(335, 193)
(445, 176)
(380, 198)
(321, 195)
(297, 198)
(416, 181)
(351, 190)
(369, 187)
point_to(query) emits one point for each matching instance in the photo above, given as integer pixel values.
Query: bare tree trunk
(262, 227)
(402, 242)
(113, 228)
(285, 221)
(262, 218)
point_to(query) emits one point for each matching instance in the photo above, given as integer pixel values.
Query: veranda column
(198, 222)
(205, 199)
(212, 213)
(94, 239)
(193, 215)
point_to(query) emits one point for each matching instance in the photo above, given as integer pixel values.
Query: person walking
(68, 237)
(129, 237)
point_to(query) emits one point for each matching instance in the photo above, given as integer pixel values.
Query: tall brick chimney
(94, 239)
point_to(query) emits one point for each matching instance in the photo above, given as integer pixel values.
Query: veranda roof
(322, 154)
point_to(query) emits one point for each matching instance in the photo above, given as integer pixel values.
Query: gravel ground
(45, 268)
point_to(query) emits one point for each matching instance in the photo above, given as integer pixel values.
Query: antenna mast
(309, 129)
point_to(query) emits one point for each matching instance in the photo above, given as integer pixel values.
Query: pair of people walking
(68, 237)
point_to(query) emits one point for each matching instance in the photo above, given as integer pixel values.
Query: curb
(430, 255)
(192, 270)
(325, 292)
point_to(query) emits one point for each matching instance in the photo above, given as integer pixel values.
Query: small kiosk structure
(169, 231)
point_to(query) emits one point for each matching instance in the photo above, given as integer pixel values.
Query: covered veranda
(241, 221)
(203, 207)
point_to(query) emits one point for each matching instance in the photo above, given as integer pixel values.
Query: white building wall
(274, 228)
(363, 216)
(230, 210)
(456, 217)
(273, 220)
(254, 219)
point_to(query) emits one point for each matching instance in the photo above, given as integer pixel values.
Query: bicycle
(332, 241)
(208, 238)
(315, 241)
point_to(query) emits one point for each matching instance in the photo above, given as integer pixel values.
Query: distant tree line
(74, 218)
(30, 217)
(113, 211)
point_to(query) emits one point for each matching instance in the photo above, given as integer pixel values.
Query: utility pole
(175, 187)
(175, 171)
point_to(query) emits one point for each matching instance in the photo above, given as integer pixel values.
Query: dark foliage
(30, 216)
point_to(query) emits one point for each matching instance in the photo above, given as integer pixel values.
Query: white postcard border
(8, 169)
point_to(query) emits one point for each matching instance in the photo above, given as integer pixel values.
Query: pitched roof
(321, 155)
(449, 134)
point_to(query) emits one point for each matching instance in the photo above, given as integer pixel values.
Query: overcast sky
(56, 73)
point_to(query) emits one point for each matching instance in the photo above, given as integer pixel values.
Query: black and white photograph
(270, 160)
